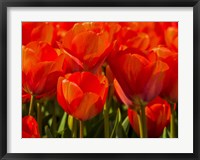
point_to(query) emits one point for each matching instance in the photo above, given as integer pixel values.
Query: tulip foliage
(99, 79)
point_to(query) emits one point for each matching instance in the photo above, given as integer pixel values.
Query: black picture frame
(4, 4)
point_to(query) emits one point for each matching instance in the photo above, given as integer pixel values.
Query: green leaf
(48, 132)
(94, 127)
(165, 134)
(99, 133)
(54, 126)
(120, 133)
(70, 122)
(46, 119)
(117, 120)
(62, 123)
(67, 133)
(126, 125)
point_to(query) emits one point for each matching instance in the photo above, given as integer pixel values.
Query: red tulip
(109, 74)
(71, 64)
(41, 68)
(30, 128)
(88, 43)
(37, 31)
(25, 97)
(27, 28)
(82, 94)
(171, 38)
(157, 115)
(170, 34)
(49, 32)
(140, 35)
(120, 95)
(170, 88)
(60, 29)
(138, 77)
(43, 32)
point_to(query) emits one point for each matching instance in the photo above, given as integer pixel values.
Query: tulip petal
(121, 94)
(60, 96)
(128, 74)
(43, 51)
(43, 32)
(154, 82)
(87, 81)
(71, 63)
(71, 91)
(89, 107)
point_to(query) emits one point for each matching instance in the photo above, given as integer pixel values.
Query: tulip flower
(37, 31)
(158, 117)
(27, 28)
(41, 68)
(171, 38)
(82, 94)
(170, 87)
(140, 80)
(25, 97)
(71, 64)
(30, 128)
(137, 75)
(140, 35)
(170, 35)
(88, 44)
(43, 32)
(49, 32)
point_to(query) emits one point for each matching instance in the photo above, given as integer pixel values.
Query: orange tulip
(138, 77)
(30, 128)
(82, 94)
(41, 68)
(88, 43)
(158, 117)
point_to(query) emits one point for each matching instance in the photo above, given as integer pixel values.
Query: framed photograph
(99, 79)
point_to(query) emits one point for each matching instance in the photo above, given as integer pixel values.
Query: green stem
(106, 122)
(54, 122)
(142, 122)
(39, 118)
(172, 122)
(164, 135)
(106, 112)
(31, 105)
(74, 128)
(81, 128)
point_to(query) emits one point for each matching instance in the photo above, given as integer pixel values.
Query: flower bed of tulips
(99, 79)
